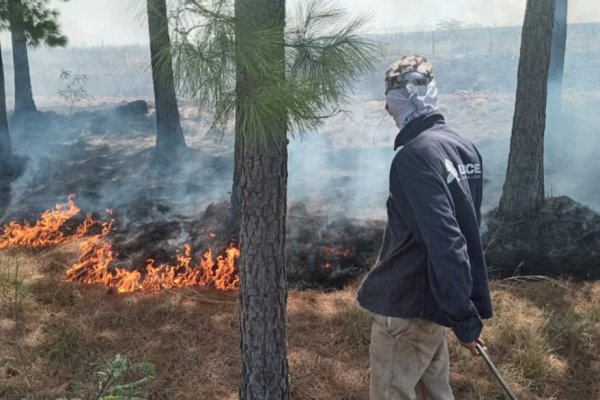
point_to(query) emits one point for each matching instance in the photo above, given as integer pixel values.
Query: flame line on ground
(97, 257)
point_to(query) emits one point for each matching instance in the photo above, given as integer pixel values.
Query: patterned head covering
(410, 69)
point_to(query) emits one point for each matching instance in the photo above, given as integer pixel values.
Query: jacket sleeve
(432, 208)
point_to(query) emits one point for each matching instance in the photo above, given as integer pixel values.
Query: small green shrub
(74, 90)
(120, 380)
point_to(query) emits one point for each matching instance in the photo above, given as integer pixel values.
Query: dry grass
(545, 338)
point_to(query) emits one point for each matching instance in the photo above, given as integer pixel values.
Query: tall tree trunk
(5, 147)
(23, 94)
(169, 133)
(523, 191)
(263, 296)
(557, 59)
(263, 188)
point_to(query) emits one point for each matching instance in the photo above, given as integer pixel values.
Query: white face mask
(404, 105)
(398, 105)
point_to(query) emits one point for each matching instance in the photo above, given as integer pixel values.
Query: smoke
(118, 22)
(511, 12)
(341, 170)
(477, 74)
(109, 22)
(494, 12)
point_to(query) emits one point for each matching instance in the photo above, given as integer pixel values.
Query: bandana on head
(411, 69)
(410, 89)
(404, 105)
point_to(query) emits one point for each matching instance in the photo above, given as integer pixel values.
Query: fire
(332, 254)
(48, 230)
(97, 258)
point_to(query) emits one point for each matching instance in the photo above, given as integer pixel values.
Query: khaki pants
(409, 360)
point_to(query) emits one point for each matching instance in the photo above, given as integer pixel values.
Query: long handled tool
(496, 373)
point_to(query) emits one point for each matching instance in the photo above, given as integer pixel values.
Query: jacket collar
(417, 126)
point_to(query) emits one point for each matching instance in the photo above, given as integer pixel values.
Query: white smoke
(117, 22)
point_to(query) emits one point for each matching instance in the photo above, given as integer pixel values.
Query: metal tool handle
(496, 373)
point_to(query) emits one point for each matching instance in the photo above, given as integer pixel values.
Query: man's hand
(471, 346)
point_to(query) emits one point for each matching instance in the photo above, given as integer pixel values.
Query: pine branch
(325, 56)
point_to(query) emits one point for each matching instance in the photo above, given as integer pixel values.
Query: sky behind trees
(118, 22)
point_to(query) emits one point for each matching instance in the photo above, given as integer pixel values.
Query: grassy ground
(56, 338)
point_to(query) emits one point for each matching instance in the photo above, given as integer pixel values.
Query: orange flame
(47, 230)
(96, 266)
(96, 261)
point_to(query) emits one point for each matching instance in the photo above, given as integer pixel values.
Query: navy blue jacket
(431, 264)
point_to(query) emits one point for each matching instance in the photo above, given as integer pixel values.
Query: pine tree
(278, 81)
(31, 23)
(169, 137)
(263, 206)
(523, 191)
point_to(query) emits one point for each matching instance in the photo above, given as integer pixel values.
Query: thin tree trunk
(523, 191)
(23, 94)
(169, 137)
(6, 154)
(557, 59)
(263, 188)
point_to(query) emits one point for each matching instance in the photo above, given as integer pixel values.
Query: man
(431, 272)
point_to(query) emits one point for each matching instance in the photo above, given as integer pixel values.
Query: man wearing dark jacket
(431, 272)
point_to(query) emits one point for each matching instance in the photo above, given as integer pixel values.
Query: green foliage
(203, 50)
(35, 19)
(324, 56)
(121, 380)
(74, 90)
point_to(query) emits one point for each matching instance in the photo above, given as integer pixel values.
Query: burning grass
(545, 338)
(96, 263)
(57, 335)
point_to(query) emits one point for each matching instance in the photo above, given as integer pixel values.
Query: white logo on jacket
(464, 171)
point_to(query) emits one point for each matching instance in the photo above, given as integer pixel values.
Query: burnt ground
(105, 158)
(562, 239)
(104, 155)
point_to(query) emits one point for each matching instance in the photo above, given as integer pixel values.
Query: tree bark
(169, 138)
(6, 154)
(23, 94)
(557, 59)
(523, 191)
(263, 195)
(263, 296)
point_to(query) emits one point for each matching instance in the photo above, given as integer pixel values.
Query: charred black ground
(103, 153)
(105, 158)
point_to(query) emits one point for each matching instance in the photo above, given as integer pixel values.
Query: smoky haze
(343, 169)
(118, 22)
